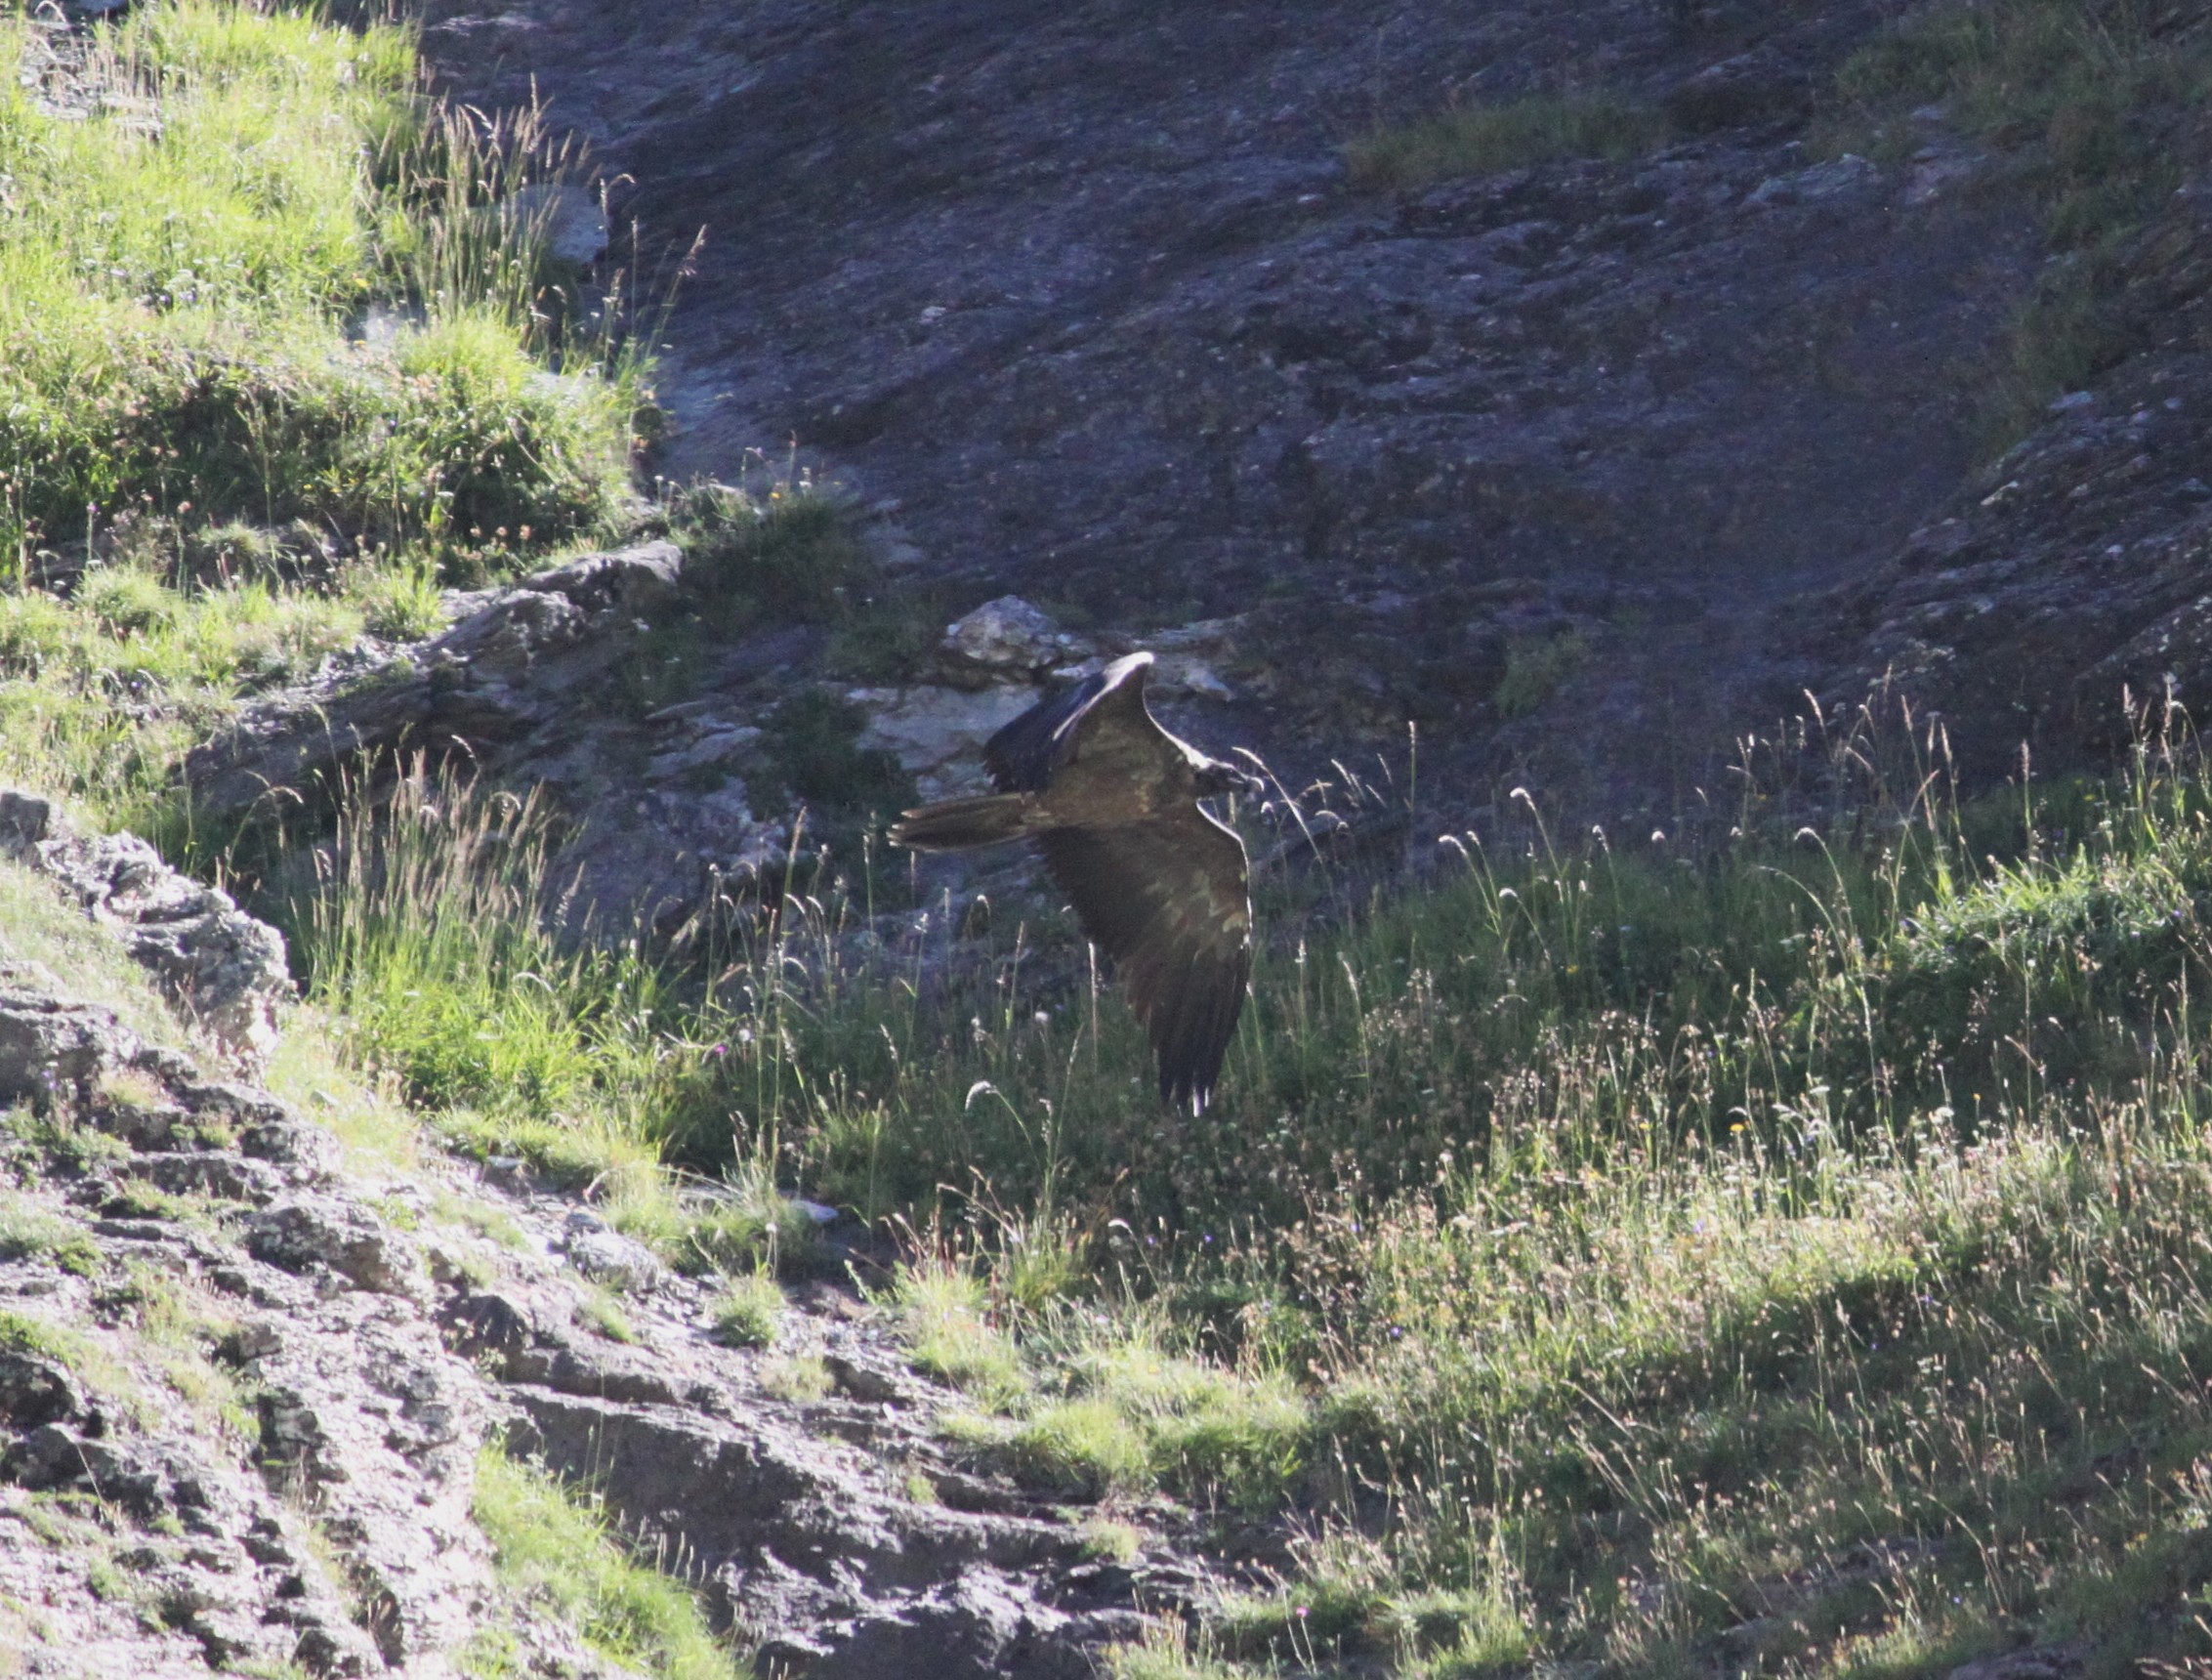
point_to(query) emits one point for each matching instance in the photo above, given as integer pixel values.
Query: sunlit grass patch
(27, 1232)
(308, 1069)
(556, 1554)
(1083, 1448)
(945, 1314)
(1168, 1651)
(1207, 1431)
(272, 358)
(193, 240)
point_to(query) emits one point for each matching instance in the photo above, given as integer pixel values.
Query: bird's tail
(955, 824)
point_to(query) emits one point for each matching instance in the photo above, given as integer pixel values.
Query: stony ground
(1081, 300)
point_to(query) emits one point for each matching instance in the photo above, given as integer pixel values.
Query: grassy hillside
(1784, 1254)
(280, 349)
(1781, 1251)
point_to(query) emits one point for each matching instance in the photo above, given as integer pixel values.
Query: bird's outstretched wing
(1165, 898)
(1022, 757)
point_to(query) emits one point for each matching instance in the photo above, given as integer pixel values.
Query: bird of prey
(1112, 800)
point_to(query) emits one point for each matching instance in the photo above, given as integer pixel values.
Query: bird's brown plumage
(1112, 800)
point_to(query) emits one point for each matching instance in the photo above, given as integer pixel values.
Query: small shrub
(401, 604)
(787, 556)
(21, 1333)
(813, 746)
(602, 1311)
(1248, 1441)
(1318, 1614)
(749, 1312)
(1169, 1650)
(135, 1199)
(223, 556)
(172, 295)
(887, 638)
(1456, 1635)
(1536, 667)
(741, 1226)
(124, 601)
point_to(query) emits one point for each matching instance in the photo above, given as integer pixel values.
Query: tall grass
(434, 931)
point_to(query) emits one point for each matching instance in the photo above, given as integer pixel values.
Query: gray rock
(981, 1627)
(609, 1257)
(26, 819)
(1007, 639)
(816, 1551)
(51, 1049)
(2035, 1662)
(224, 968)
(210, 1172)
(35, 1390)
(310, 1232)
(566, 218)
(937, 733)
(54, 1456)
(1843, 174)
(640, 579)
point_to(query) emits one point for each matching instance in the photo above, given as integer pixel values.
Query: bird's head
(1214, 780)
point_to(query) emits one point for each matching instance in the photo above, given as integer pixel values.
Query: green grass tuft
(944, 1312)
(26, 1233)
(1512, 134)
(555, 1552)
(749, 1312)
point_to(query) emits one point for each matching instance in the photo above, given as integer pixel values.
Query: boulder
(567, 217)
(1006, 639)
(51, 1049)
(308, 1233)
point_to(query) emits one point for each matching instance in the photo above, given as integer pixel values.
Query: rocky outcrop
(224, 969)
(285, 1464)
(2068, 580)
(543, 684)
(538, 686)
(513, 663)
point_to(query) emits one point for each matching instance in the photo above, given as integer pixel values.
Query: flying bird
(1112, 800)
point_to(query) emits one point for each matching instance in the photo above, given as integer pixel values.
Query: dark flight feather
(1112, 800)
